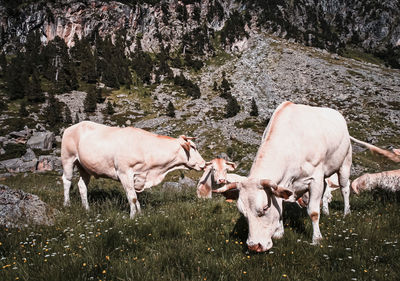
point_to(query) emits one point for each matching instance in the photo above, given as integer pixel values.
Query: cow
(388, 180)
(215, 174)
(302, 145)
(135, 157)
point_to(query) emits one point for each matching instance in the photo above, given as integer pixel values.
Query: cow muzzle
(221, 181)
(258, 247)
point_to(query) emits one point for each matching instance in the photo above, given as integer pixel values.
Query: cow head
(359, 184)
(215, 172)
(260, 201)
(219, 168)
(193, 158)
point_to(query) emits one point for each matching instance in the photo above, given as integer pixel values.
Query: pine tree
(170, 109)
(254, 108)
(34, 91)
(76, 118)
(67, 116)
(99, 96)
(215, 86)
(16, 78)
(3, 63)
(53, 113)
(110, 108)
(22, 110)
(225, 88)
(89, 103)
(232, 107)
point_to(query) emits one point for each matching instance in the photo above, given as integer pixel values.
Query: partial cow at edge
(301, 146)
(387, 180)
(135, 157)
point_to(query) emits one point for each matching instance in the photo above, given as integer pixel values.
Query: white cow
(215, 174)
(302, 145)
(388, 180)
(135, 157)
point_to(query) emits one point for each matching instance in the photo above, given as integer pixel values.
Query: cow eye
(263, 211)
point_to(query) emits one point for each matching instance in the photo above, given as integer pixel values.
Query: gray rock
(29, 155)
(20, 209)
(172, 185)
(187, 182)
(41, 140)
(17, 165)
(48, 163)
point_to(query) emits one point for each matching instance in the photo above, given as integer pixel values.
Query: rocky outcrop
(20, 209)
(26, 142)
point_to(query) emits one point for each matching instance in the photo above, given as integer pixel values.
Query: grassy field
(180, 237)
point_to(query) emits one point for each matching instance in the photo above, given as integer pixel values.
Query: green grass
(180, 237)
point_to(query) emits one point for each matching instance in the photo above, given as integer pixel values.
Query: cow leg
(279, 231)
(326, 199)
(68, 168)
(83, 184)
(129, 186)
(313, 209)
(345, 189)
(344, 182)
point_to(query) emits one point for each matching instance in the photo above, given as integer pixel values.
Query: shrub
(254, 108)
(170, 109)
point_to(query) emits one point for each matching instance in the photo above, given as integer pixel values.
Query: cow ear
(282, 192)
(186, 146)
(278, 191)
(230, 166)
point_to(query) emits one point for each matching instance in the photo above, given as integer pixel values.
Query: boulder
(48, 163)
(171, 186)
(187, 182)
(20, 209)
(17, 165)
(41, 140)
(29, 155)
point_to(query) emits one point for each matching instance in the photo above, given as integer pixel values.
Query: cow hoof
(316, 241)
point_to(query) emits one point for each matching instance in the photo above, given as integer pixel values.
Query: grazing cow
(389, 180)
(301, 146)
(135, 157)
(215, 174)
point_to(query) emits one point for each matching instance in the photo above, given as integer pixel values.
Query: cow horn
(226, 187)
(188, 138)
